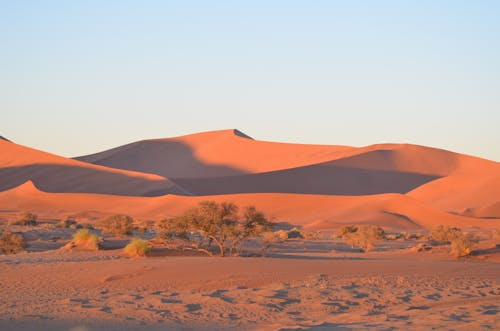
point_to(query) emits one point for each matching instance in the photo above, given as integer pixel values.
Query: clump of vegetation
(346, 230)
(215, 223)
(117, 224)
(364, 236)
(444, 234)
(11, 243)
(143, 226)
(137, 247)
(83, 240)
(25, 218)
(461, 243)
(65, 224)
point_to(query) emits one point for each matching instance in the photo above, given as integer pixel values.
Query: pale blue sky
(78, 77)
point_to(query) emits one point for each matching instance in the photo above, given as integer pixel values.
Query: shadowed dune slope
(314, 211)
(325, 178)
(53, 173)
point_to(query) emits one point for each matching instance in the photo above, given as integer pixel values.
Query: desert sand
(300, 284)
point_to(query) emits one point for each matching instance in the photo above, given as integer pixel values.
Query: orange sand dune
(230, 152)
(476, 184)
(53, 173)
(315, 211)
(229, 162)
(213, 154)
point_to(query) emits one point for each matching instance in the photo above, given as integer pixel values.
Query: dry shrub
(137, 247)
(461, 245)
(117, 224)
(364, 236)
(11, 243)
(83, 240)
(346, 230)
(444, 233)
(25, 218)
(368, 235)
(143, 226)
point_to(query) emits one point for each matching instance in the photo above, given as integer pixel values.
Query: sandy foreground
(299, 286)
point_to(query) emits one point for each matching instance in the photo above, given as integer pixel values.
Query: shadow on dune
(167, 158)
(71, 179)
(323, 179)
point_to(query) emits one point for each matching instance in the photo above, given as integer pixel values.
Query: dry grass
(83, 240)
(137, 247)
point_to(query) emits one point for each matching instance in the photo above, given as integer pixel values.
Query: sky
(78, 77)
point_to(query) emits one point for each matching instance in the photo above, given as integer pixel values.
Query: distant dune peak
(241, 134)
(3, 138)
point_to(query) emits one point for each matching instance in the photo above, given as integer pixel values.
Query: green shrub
(117, 224)
(137, 247)
(11, 243)
(24, 218)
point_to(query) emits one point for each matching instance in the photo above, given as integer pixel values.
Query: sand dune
(312, 185)
(213, 154)
(53, 173)
(230, 162)
(315, 211)
(476, 184)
